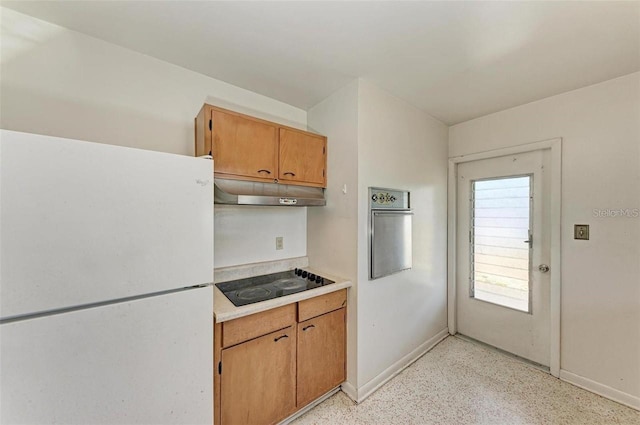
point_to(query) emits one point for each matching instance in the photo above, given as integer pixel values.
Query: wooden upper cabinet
(302, 157)
(244, 147)
(248, 148)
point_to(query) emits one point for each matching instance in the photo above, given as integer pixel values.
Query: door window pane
(500, 229)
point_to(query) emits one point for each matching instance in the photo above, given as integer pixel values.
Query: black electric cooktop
(260, 288)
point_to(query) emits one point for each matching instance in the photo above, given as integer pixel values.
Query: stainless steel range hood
(239, 192)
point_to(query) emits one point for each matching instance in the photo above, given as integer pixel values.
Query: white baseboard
(601, 389)
(370, 387)
(350, 391)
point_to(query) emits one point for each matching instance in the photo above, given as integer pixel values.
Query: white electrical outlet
(279, 242)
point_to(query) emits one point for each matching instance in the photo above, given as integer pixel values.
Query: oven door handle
(392, 212)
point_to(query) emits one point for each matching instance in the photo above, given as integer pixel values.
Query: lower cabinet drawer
(258, 380)
(320, 305)
(321, 356)
(249, 327)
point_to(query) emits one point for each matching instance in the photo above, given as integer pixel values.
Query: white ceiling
(455, 60)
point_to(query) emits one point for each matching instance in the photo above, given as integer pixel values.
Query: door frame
(555, 145)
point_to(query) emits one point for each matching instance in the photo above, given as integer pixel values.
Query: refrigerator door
(148, 361)
(83, 222)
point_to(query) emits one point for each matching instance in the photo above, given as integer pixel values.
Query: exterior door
(503, 249)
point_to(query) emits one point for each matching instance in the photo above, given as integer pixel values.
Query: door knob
(543, 268)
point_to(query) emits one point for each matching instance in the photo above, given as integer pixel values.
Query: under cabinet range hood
(240, 192)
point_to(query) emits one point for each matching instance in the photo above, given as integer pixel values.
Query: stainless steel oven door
(390, 242)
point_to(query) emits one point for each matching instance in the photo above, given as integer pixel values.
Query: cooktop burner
(265, 287)
(290, 284)
(250, 294)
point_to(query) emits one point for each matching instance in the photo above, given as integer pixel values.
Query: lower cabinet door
(321, 355)
(259, 380)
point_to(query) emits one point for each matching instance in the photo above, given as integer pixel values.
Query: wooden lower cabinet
(270, 364)
(321, 356)
(258, 379)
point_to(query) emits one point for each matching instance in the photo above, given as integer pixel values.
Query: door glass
(499, 239)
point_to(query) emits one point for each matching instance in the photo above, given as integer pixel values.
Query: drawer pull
(344, 303)
(289, 173)
(308, 327)
(264, 171)
(280, 337)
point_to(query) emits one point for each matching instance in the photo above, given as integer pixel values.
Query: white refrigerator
(106, 303)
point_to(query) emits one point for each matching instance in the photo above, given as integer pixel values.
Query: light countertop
(224, 309)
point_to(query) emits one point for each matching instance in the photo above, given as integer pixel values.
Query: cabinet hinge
(210, 125)
(219, 368)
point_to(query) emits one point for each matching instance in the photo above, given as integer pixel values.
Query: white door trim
(555, 145)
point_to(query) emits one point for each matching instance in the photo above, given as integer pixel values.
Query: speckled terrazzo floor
(459, 382)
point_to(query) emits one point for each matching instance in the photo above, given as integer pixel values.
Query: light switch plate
(581, 231)
(279, 242)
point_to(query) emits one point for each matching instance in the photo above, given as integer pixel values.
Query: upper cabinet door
(303, 158)
(244, 147)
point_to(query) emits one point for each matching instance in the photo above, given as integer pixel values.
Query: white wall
(249, 234)
(62, 83)
(600, 305)
(332, 230)
(401, 147)
(379, 140)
